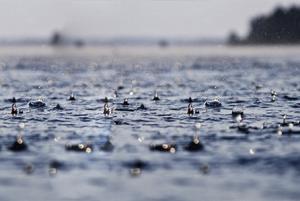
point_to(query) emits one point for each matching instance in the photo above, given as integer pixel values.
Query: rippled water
(256, 159)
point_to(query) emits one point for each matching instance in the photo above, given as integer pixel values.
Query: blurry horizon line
(114, 40)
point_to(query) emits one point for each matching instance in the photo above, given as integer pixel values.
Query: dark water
(256, 159)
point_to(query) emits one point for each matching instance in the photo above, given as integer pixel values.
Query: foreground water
(252, 157)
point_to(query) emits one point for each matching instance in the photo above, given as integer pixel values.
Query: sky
(131, 18)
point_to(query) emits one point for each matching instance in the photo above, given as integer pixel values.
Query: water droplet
(198, 125)
(252, 151)
(21, 125)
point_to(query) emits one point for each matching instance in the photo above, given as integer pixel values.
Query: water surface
(260, 162)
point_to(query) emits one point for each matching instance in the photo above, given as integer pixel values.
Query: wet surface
(147, 146)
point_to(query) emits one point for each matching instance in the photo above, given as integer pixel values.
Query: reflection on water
(148, 146)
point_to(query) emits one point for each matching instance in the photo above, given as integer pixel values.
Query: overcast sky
(113, 18)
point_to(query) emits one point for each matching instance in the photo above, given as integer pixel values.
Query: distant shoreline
(178, 52)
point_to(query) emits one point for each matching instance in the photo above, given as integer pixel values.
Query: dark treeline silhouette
(282, 26)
